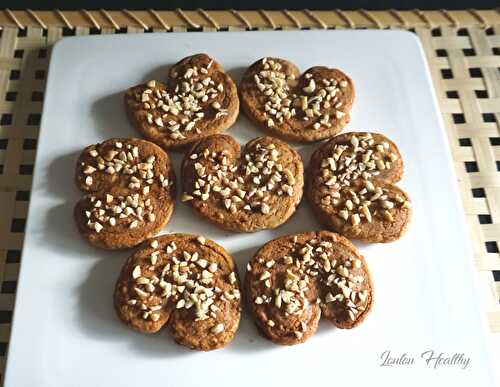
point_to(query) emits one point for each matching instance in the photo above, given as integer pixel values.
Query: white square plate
(65, 332)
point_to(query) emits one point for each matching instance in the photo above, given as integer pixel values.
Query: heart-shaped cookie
(198, 99)
(351, 187)
(131, 185)
(256, 189)
(294, 280)
(305, 108)
(186, 282)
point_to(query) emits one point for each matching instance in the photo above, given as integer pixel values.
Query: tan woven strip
(13, 17)
(423, 17)
(185, 17)
(37, 18)
(371, 18)
(91, 18)
(342, 15)
(210, 19)
(160, 20)
(494, 320)
(316, 18)
(241, 18)
(268, 18)
(64, 18)
(478, 17)
(454, 22)
(110, 19)
(399, 18)
(135, 18)
(294, 20)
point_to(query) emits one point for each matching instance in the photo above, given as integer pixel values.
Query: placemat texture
(462, 47)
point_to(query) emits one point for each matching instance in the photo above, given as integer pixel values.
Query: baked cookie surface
(186, 282)
(294, 280)
(197, 100)
(306, 108)
(351, 187)
(131, 192)
(256, 188)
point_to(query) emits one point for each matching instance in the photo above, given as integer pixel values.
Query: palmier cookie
(186, 282)
(351, 187)
(293, 280)
(198, 99)
(255, 189)
(131, 192)
(305, 108)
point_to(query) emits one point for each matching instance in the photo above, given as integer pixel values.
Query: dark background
(254, 4)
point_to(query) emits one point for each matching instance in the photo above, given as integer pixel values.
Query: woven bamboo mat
(462, 47)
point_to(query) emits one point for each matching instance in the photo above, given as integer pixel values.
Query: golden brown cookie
(131, 185)
(198, 99)
(305, 108)
(351, 187)
(186, 282)
(255, 189)
(294, 280)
